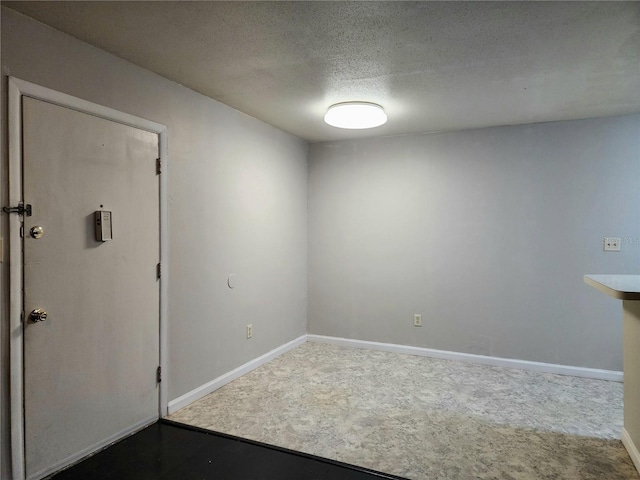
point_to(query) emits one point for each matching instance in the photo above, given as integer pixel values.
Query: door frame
(17, 89)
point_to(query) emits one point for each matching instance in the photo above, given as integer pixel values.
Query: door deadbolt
(38, 315)
(36, 232)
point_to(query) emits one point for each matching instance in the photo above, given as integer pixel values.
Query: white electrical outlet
(249, 331)
(417, 320)
(611, 244)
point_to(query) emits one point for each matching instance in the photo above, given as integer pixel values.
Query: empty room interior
(191, 242)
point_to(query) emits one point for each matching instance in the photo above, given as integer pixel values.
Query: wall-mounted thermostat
(103, 225)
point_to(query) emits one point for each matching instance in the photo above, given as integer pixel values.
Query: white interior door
(90, 367)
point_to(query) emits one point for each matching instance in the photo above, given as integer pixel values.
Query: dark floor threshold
(167, 450)
(309, 456)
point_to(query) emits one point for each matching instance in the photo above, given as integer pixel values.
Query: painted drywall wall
(486, 233)
(237, 204)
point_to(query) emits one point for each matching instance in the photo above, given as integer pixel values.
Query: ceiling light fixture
(355, 115)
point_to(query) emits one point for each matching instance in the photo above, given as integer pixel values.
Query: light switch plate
(611, 244)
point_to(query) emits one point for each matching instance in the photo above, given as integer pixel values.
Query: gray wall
(237, 203)
(486, 233)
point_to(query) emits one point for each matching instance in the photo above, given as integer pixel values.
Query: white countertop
(623, 287)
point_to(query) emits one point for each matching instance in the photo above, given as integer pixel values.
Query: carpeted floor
(424, 418)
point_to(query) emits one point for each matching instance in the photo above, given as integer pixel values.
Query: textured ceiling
(432, 65)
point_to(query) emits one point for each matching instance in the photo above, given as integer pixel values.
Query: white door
(90, 366)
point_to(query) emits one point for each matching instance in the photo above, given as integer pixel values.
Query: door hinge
(159, 374)
(158, 166)
(21, 209)
(159, 270)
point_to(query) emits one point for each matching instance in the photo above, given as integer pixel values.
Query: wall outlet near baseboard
(417, 320)
(249, 330)
(611, 244)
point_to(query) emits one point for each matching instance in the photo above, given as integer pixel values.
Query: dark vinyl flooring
(171, 451)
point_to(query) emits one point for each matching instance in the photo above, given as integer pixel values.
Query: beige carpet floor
(424, 418)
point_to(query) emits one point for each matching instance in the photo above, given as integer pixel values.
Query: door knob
(36, 232)
(38, 315)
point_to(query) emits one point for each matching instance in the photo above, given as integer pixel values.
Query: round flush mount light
(355, 115)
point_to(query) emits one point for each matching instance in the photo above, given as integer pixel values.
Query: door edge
(97, 447)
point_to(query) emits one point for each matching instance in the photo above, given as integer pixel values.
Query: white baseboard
(207, 388)
(631, 448)
(610, 375)
(222, 380)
